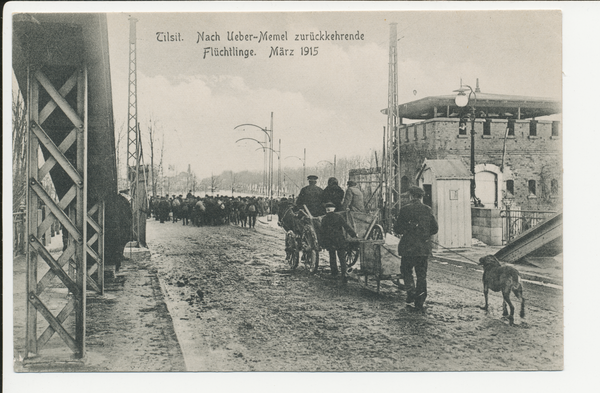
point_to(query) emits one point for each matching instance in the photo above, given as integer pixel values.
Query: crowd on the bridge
(215, 210)
(414, 221)
(210, 210)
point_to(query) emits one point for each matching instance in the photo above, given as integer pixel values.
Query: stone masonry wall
(527, 157)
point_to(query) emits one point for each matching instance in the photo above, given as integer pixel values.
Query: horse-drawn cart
(374, 257)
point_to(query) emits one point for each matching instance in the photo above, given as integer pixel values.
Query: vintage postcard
(275, 187)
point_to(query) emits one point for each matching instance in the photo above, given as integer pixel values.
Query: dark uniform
(333, 193)
(416, 223)
(252, 212)
(163, 210)
(333, 239)
(311, 197)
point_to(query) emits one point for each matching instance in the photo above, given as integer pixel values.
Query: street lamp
(330, 163)
(269, 134)
(262, 145)
(303, 165)
(462, 100)
(278, 152)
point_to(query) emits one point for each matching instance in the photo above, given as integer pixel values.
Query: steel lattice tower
(392, 140)
(134, 144)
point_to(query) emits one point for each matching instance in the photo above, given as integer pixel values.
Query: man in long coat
(333, 193)
(333, 239)
(311, 197)
(416, 223)
(354, 199)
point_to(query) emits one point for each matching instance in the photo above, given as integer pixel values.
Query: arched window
(531, 184)
(510, 187)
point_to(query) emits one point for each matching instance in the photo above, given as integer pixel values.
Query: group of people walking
(209, 210)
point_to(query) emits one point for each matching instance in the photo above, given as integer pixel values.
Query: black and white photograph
(259, 188)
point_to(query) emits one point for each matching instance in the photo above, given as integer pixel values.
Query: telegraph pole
(392, 159)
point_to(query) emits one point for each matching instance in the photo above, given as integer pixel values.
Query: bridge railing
(516, 221)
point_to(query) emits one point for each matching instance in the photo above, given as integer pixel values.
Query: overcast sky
(329, 103)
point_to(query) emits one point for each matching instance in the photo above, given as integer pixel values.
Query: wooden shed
(447, 192)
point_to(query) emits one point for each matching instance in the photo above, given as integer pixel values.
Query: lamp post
(330, 163)
(262, 145)
(269, 134)
(303, 163)
(278, 152)
(462, 100)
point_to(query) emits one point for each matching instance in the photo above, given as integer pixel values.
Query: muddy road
(236, 307)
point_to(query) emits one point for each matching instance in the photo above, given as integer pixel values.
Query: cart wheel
(292, 251)
(352, 254)
(376, 233)
(310, 249)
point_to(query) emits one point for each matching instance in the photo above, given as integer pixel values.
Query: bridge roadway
(221, 299)
(235, 306)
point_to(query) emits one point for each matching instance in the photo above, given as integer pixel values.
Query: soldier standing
(416, 223)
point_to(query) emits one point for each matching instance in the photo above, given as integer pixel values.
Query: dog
(502, 279)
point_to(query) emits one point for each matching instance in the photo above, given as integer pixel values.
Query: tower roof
(500, 106)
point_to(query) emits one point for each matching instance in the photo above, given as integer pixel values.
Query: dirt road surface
(236, 306)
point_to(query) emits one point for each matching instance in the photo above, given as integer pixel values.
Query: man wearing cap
(333, 239)
(311, 197)
(416, 223)
(353, 200)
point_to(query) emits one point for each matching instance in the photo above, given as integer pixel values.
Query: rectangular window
(531, 184)
(487, 127)
(510, 187)
(407, 134)
(555, 127)
(462, 127)
(416, 134)
(424, 130)
(533, 128)
(511, 128)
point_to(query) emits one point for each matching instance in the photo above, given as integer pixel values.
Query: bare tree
(19, 148)
(160, 167)
(215, 182)
(152, 135)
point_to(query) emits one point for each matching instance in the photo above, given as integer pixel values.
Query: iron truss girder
(71, 211)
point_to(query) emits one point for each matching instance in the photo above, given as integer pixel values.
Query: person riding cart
(311, 197)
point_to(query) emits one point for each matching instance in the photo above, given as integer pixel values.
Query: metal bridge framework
(53, 72)
(71, 210)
